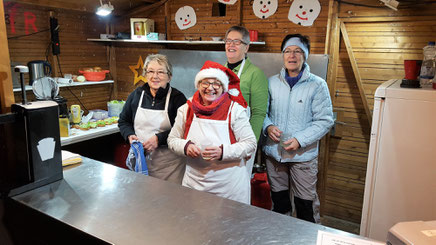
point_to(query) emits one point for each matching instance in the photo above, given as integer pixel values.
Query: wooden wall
(271, 30)
(32, 42)
(380, 39)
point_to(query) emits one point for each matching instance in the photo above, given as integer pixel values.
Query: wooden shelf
(165, 41)
(28, 87)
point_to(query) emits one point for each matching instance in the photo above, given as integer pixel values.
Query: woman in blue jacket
(299, 115)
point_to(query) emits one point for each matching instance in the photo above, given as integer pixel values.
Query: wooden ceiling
(121, 7)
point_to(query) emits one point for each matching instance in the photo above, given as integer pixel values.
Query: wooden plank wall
(381, 39)
(76, 52)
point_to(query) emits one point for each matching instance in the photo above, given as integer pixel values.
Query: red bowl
(94, 76)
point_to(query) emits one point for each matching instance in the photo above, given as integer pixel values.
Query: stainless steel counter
(123, 207)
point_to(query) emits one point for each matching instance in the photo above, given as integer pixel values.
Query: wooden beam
(168, 20)
(356, 72)
(332, 48)
(60, 4)
(387, 19)
(113, 63)
(145, 10)
(239, 13)
(6, 86)
(149, 1)
(329, 23)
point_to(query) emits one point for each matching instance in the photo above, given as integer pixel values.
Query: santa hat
(226, 76)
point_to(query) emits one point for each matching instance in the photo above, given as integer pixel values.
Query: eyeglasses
(159, 73)
(215, 85)
(236, 42)
(297, 52)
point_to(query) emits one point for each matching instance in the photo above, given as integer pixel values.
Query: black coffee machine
(30, 152)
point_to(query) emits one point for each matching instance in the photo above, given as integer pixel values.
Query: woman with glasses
(212, 129)
(254, 84)
(148, 116)
(299, 115)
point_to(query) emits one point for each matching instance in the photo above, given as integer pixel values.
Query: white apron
(228, 179)
(164, 164)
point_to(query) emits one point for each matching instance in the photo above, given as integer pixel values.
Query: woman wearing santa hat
(213, 130)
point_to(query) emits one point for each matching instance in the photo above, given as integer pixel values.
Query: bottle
(64, 126)
(428, 65)
(76, 114)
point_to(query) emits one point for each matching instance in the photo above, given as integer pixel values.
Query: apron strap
(189, 118)
(167, 99)
(140, 99)
(232, 134)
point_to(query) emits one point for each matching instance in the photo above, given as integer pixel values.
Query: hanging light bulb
(104, 9)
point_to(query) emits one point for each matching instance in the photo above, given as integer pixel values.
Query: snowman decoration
(229, 2)
(185, 17)
(304, 12)
(264, 8)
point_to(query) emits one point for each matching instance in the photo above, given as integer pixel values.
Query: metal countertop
(123, 207)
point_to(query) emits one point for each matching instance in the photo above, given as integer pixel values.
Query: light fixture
(391, 4)
(105, 9)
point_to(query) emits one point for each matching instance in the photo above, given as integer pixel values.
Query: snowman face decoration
(230, 2)
(304, 12)
(185, 17)
(264, 8)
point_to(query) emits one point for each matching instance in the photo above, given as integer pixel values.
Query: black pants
(282, 204)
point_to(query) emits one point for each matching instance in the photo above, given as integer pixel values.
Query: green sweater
(254, 88)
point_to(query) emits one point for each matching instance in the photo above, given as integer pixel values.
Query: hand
(151, 144)
(193, 151)
(132, 138)
(274, 133)
(293, 144)
(212, 153)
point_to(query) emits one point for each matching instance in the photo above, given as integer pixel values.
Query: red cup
(412, 69)
(253, 35)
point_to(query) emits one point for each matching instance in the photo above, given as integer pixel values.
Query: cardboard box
(140, 27)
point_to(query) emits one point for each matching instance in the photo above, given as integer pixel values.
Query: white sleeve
(245, 139)
(175, 140)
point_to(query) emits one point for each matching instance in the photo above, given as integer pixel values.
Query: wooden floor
(340, 224)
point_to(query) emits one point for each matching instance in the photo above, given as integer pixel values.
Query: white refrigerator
(401, 173)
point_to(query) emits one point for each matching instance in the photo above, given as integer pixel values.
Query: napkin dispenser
(31, 151)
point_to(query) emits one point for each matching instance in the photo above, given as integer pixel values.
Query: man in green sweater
(254, 83)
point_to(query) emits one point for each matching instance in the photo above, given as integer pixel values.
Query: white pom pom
(233, 92)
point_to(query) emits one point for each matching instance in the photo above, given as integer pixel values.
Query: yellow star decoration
(138, 67)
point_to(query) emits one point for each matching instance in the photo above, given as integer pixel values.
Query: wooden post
(332, 48)
(168, 20)
(113, 65)
(239, 12)
(6, 87)
(356, 72)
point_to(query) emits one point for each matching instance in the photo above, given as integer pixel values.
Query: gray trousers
(299, 177)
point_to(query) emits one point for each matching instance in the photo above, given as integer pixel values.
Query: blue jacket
(305, 111)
